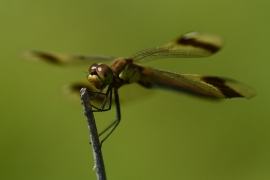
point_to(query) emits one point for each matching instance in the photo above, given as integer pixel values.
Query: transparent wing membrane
(61, 59)
(201, 85)
(190, 45)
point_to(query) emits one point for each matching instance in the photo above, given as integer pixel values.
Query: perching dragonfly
(105, 80)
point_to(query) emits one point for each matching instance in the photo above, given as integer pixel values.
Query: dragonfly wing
(59, 59)
(200, 85)
(190, 45)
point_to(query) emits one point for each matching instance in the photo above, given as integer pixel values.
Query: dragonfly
(105, 80)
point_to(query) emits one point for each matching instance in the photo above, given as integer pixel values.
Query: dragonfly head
(100, 75)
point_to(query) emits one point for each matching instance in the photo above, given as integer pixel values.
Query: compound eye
(105, 73)
(92, 68)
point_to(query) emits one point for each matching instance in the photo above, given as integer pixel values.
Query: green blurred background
(163, 136)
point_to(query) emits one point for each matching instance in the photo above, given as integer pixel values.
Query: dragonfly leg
(116, 122)
(108, 92)
(96, 93)
(104, 101)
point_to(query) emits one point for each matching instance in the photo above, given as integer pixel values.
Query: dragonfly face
(105, 80)
(100, 75)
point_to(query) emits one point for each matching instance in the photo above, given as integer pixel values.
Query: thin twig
(99, 164)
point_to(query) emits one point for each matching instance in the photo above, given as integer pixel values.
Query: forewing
(200, 85)
(190, 45)
(61, 59)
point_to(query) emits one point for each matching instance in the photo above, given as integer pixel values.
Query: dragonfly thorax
(130, 74)
(100, 75)
(125, 70)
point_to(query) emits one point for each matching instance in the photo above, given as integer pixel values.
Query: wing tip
(208, 41)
